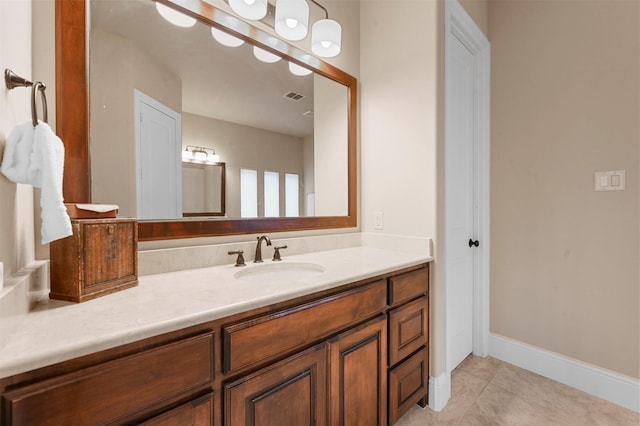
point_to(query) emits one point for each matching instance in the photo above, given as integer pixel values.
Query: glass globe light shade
(226, 39)
(292, 19)
(173, 16)
(249, 9)
(326, 38)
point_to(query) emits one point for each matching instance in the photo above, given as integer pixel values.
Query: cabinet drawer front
(408, 329)
(408, 384)
(109, 391)
(266, 337)
(198, 412)
(405, 287)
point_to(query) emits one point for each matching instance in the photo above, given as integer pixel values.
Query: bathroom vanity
(328, 350)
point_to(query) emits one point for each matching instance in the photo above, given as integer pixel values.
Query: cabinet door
(198, 412)
(358, 375)
(291, 392)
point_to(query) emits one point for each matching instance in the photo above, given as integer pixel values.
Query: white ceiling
(226, 83)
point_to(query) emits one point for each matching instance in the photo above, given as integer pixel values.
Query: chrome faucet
(258, 257)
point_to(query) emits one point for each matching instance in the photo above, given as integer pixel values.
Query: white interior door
(459, 199)
(158, 146)
(466, 195)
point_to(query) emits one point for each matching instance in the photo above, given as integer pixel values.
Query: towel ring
(12, 80)
(38, 86)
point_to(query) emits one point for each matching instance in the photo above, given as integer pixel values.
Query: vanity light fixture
(292, 19)
(173, 16)
(200, 154)
(249, 9)
(296, 69)
(226, 39)
(326, 36)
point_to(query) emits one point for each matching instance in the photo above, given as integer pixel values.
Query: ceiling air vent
(308, 114)
(293, 96)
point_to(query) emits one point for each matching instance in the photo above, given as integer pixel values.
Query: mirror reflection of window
(248, 193)
(291, 198)
(271, 194)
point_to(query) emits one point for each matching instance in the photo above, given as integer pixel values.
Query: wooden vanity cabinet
(354, 355)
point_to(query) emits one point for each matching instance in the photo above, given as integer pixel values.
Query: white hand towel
(36, 157)
(17, 154)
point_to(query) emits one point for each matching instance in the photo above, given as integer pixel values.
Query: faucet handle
(240, 258)
(276, 253)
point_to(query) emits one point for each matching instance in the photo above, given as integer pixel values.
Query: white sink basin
(279, 272)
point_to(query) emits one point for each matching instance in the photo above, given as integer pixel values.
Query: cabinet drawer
(197, 412)
(405, 287)
(408, 384)
(263, 338)
(408, 329)
(109, 391)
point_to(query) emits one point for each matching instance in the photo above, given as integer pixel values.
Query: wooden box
(101, 257)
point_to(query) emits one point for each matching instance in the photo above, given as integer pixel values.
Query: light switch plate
(613, 180)
(378, 221)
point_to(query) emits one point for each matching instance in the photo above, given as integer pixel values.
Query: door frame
(459, 24)
(141, 97)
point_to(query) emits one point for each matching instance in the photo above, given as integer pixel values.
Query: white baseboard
(439, 391)
(597, 381)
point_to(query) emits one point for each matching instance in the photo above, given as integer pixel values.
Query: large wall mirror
(155, 92)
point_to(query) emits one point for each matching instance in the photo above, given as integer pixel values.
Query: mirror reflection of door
(158, 137)
(203, 189)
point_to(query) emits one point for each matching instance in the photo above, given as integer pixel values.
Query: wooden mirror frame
(72, 124)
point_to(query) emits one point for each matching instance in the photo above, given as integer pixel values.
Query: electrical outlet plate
(613, 180)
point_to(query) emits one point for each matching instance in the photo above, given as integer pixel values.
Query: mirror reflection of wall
(228, 100)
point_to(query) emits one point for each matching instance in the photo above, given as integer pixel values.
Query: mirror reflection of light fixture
(292, 19)
(249, 9)
(296, 69)
(265, 56)
(173, 16)
(200, 154)
(226, 39)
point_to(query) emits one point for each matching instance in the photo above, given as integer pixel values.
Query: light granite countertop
(55, 331)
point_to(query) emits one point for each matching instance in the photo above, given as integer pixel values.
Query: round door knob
(472, 243)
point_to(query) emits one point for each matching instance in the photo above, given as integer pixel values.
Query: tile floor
(486, 391)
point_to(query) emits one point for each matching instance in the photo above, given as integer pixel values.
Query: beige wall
(16, 200)
(565, 85)
(478, 10)
(401, 127)
(248, 148)
(118, 67)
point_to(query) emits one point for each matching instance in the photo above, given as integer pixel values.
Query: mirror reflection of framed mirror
(203, 189)
(314, 171)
